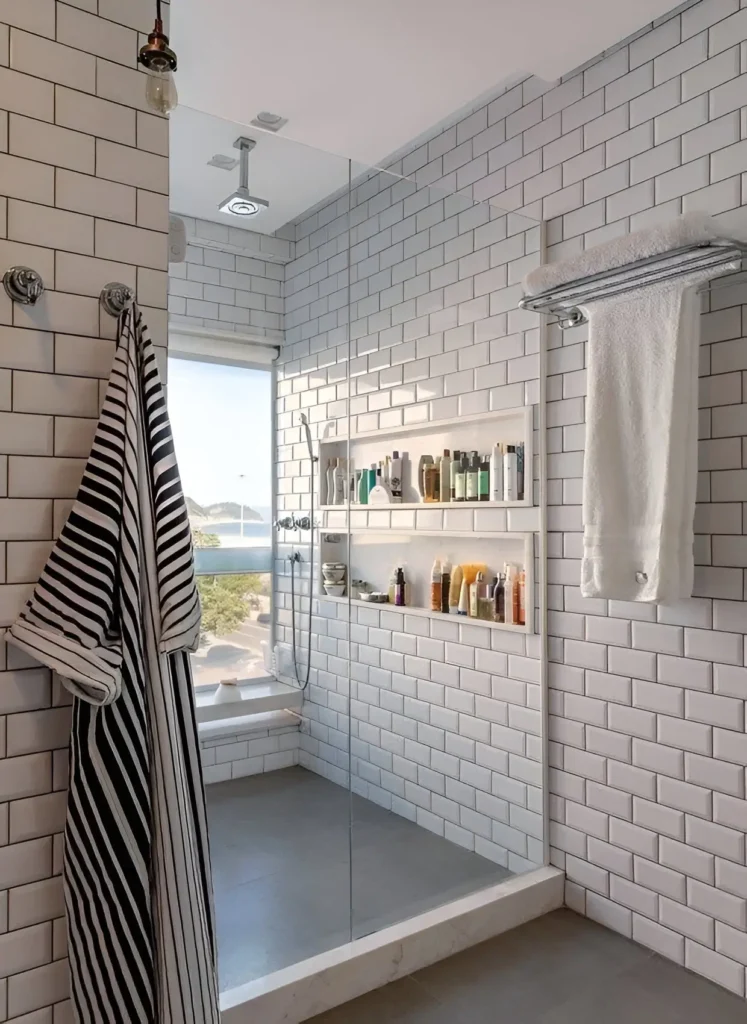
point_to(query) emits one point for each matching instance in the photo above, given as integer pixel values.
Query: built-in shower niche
(375, 554)
(478, 433)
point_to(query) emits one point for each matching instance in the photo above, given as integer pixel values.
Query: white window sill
(235, 728)
(258, 696)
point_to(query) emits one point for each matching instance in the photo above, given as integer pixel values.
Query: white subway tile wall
(646, 704)
(59, 204)
(248, 751)
(440, 721)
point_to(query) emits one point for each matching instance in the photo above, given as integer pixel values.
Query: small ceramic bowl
(333, 575)
(334, 589)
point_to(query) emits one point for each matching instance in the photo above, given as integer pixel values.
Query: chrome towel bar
(565, 300)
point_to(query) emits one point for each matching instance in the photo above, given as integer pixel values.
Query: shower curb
(330, 979)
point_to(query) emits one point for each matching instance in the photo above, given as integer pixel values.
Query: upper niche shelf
(478, 432)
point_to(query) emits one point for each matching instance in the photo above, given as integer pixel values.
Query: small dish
(334, 589)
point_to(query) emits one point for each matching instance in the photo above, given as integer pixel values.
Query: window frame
(245, 352)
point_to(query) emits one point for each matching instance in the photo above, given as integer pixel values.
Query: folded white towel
(686, 230)
(640, 466)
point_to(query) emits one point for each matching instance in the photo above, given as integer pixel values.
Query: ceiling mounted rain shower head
(241, 203)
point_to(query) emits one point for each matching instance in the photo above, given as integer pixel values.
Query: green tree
(226, 601)
(200, 539)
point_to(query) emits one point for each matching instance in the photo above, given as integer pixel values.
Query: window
(221, 416)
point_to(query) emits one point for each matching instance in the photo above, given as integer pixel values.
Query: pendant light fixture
(160, 62)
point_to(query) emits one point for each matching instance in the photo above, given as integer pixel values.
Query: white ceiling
(360, 79)
(363, 77)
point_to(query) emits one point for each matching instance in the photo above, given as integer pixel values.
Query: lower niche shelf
(426, 613)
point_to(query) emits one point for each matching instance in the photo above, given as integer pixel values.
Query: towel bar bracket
(23, 285)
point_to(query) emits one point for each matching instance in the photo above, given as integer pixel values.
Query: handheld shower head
(305, 425)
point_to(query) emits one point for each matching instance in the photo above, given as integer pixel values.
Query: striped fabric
(115, 613)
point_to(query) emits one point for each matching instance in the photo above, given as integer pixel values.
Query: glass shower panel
(277, 773)
(446, 706)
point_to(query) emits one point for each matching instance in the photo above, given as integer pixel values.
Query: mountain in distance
(222, 510)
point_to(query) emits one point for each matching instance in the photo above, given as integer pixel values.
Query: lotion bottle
(460, 489)
(472, 490)
(452, 475)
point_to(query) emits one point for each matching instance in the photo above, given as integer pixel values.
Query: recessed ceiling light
(269, 121)
(225, 163)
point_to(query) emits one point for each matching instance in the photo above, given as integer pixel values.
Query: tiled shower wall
(227, 286)
(83, 200)
(440, 721)
(648, 746)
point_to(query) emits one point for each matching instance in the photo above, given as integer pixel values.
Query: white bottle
(496, 473)
(510, 474)
(340, 477)
(445, 475)
(330, 476)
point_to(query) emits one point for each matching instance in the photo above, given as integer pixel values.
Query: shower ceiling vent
(269, 122)
(225, 163)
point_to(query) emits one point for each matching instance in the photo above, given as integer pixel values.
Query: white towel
(685, 230)
(640, 468)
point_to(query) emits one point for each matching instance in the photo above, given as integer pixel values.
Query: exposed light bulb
(160, 91)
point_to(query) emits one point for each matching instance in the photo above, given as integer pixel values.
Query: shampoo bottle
(472, 491)
(363, 487)
(461, 479)
(463, 608)
(330, 475)
(399, 588)
(445, 476)
(499, 600)
(340, 495)
(396, 477)
(455, 589)
(484, 479)
(436, 586)
(496, 473)
(510, 473)
(520, 471)
(522, 599)
(445, 585)
(452, 475)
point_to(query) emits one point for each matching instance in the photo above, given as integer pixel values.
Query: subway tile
(96, 117)
(97, 35)
(25, 949)
(132, 166)
(38, 17)
(44, 226)
(26, 94)
(65, 314)
(45, 59)
(33, 477)
(51, 144)
(131, 245)
(24, 179)
(84, 194)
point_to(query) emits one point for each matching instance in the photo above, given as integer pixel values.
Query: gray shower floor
(281, 870)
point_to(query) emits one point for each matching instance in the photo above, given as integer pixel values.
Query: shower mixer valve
(291, 523)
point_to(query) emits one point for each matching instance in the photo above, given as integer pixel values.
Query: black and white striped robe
(115, 613)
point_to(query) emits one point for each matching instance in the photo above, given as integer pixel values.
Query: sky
(221, 419)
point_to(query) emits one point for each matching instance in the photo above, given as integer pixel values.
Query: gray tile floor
(560, 969)
(280, 846)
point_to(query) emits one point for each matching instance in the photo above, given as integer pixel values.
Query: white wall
(83, 200)
(648, 748)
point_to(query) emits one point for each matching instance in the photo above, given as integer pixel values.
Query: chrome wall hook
(116, 298)
(23, 285)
